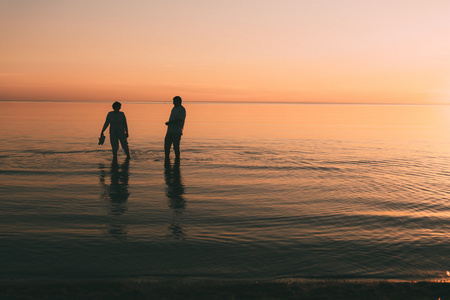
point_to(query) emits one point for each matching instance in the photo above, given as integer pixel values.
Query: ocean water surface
(263, 191)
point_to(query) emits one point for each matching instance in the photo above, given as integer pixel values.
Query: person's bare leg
(167, 145)
(114, 145)
(124, 143)
(126, 149)
(176, 147)
(127, 152)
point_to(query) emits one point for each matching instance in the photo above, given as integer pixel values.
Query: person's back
(118, 129)
(117, 121)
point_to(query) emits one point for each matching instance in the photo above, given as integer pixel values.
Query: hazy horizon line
(227, 102)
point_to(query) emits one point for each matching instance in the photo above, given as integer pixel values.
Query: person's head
(177, 100)
(116, 106)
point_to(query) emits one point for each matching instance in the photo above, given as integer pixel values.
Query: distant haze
(226, 50)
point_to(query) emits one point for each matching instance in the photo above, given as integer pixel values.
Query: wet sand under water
(220, 289)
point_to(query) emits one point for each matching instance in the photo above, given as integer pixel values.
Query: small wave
(286, 168)
(364, 162)
(47, 152)
(53, 172)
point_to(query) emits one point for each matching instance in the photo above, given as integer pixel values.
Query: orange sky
(226, 50)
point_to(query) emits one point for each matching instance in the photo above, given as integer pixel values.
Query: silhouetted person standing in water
(175, 129)
(118, 129)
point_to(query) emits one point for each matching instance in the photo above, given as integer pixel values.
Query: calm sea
(263, 191)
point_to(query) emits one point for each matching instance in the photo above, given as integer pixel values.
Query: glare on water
(326, 191)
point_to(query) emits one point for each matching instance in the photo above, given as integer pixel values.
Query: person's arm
(174, 121)
(125, 126)
(179, 117)
(107, 121)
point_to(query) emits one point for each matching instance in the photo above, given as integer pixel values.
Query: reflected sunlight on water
(263, 191)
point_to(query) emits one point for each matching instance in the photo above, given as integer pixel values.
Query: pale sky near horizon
(226, 50)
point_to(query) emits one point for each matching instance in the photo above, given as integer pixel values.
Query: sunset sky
(384, 51)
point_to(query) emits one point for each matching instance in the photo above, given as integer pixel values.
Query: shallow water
(263, 191)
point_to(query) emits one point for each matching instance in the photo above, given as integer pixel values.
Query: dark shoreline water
(263, 192)
(222, 289)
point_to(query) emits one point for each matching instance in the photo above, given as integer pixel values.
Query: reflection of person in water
(175, 128)
(118, 129)
(116, 193)
(175, 192)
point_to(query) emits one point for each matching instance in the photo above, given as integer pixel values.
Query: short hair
(116, 104)
(177, 98)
